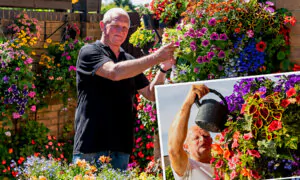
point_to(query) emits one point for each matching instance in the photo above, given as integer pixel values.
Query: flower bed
(261, 139)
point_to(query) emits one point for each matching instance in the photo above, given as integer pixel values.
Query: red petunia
(291, 92)
(253, 153)
(219, 164)
(141, 155)
(284, 103)
(261, 46)
(275, 125)
(296, 67)
(255, 174)
(32, 141)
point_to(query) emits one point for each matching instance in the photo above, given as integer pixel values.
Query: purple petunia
(221, 54)
(212, 22)
(5, 79)
(177, 43)
(210, 55)
(214, 36)
(223, 37)
(204, 30)
(199, 59)
(193, 20)
(270, 9)
(205, 59)
(205, 43)
(269, 3)
(199, 34)
(193, 45)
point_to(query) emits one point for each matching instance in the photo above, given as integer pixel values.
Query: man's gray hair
(113, 12)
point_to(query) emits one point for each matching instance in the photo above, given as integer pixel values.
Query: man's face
(116, 31)
(199, 144)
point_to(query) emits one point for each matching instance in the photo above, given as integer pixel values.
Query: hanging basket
(150, 22)
(145, 49)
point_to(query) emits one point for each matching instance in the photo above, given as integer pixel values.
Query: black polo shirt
(104, 116)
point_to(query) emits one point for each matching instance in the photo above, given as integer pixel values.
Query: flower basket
(150, 22)
(261, 139)
(145, 49)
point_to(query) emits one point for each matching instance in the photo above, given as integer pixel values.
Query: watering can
(212, 114)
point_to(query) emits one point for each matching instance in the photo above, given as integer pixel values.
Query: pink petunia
(233, 174)
(72, 68)
(235, 143)
(31, 94)
(248, 136)
(16, 115)
(33, 108)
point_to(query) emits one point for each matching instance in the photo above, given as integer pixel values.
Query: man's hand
(166, 65)
(199, 90)
(165, 52)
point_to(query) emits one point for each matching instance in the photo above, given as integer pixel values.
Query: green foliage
(106, 7)
(169, 173)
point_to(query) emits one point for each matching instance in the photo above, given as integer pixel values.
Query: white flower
(8, 133)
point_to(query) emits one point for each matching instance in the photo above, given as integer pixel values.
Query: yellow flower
(12, 45)
(31, 43)
(41, 63)
(23, 57)
(49, 40)
(45, 46)
(143, 176)
(33, 178)
(61, 48)
(187, 50)
(16, 41)
(58, 65)
(42, 178)
(74, 1)
(33, 53)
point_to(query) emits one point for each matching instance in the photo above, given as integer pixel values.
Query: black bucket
(212, 115)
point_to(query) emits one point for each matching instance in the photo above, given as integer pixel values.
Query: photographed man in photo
(190, 149)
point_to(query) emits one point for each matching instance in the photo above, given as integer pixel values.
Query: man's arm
(149, 92)
(127, 69)
(179, 128)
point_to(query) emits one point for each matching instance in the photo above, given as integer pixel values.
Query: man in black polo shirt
(107, 79)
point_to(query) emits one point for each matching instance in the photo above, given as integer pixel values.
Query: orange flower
(10, 150)
(245, 172)
(236, 135)
(226, 154)
(102, 159)
(217, 148)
